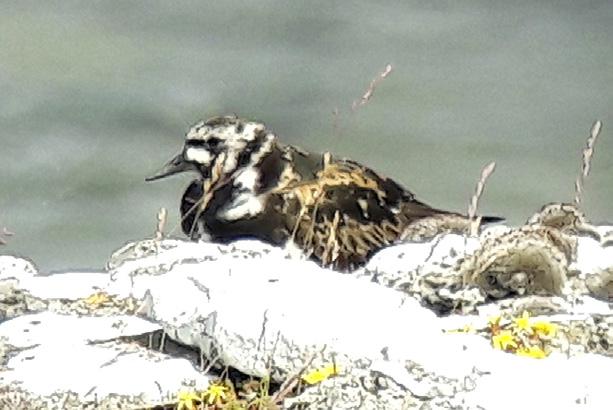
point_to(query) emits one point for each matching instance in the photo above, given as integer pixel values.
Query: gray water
(96, 95)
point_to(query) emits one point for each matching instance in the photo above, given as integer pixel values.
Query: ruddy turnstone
(337, 211)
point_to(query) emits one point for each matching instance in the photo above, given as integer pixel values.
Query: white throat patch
(247, 204)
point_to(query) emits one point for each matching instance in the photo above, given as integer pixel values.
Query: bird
(336, 211)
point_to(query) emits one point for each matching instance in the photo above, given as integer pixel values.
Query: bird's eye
(213, 142)
(196, 143)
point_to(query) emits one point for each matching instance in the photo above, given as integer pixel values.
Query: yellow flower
(545, 329)
(216, 393)
(504, 340)
(97, 299)
(523, 322)
(533, 351)
(319, 375)
(188, 400)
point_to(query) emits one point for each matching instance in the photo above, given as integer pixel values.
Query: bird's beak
(174, 166)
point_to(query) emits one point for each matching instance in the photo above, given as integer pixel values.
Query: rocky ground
(514, 318)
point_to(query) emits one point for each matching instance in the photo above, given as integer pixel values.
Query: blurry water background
(95, 95)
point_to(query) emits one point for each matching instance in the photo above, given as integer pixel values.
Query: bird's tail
(491, 219)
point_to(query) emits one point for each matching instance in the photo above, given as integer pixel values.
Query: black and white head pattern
(235, 147)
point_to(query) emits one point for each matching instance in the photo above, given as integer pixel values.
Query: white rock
(555, 383)
(98, 371)
(255, 308)
(407, 257)
(400, 258)
(261, 312)
(78, 354)
(592, 257)
(281, 312)
(12, 267)
(68, 285)
(52, 328)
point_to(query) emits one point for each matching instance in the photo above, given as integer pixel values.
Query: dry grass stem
(588, 152)
(292, 381)
(214, 181)
(272, 353)
(208, 188)
(336, 122)
(330, 253)
(159, 230)
(311, 196)
(5, 232)
(327, 159)
(162, 341)
(197, 205)
(371, 88)
(474, 202)
(310, 234)
(212, 363)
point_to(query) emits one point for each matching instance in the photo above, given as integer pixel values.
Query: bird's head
(225, 145)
